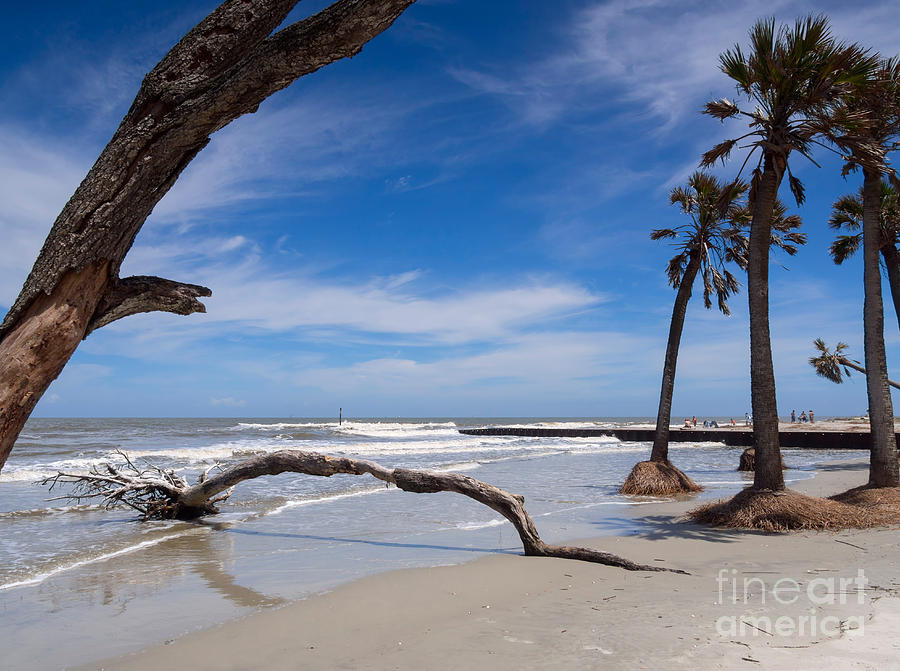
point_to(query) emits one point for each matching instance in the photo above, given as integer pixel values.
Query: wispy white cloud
(37, 176)
(251, 293)
(287, 150)
(228, 402)
(660, 57)
(251, 296)
(544, 363)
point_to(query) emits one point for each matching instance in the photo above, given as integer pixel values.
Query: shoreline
(509, 611)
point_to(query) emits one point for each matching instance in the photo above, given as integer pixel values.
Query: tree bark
(849, 364)
(34, 353)
(660, 451)
(223, 68)
(161, 494)
(883, 466)
(892, 263)
(768, 473)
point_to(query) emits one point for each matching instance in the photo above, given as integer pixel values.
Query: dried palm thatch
(884, 499)
(788, 510)
(748, 461)
(657, 478)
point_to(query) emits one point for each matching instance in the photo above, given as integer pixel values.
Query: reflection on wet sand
(128, 601)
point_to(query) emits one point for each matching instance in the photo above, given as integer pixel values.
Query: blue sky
(453, 223)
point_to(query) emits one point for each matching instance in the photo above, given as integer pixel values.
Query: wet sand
(513, 612)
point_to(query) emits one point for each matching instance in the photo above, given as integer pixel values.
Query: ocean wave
(33, 513)
(281, 426)
(41, 577)
(327, 498)
(474, 526)
(394, 430)
(298, 435)
(441, 450)
(460, 467)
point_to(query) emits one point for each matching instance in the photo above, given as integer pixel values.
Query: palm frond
(663, 234)
(844, 246)
(721, 109)
(797, 189)
(754, 186)
(826, 363)
(846, 213)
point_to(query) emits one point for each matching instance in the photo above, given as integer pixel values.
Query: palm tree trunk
(849, 364)
(892, 263)
(883, 468)
(768, 474)
(660, 450)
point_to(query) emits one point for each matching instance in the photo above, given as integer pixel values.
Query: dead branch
(161, 494)
(223, 68)
(142, 293)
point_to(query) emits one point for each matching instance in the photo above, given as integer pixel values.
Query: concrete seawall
(816, 440)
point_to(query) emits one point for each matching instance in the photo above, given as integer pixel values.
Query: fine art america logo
(787, 607)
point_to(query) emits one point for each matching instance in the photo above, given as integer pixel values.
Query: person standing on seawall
(811, 420)
(793, 416)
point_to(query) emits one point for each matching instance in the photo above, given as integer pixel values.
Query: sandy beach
(830, 425)
(825, 599)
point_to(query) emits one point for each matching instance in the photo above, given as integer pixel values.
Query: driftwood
(222, 69)
(161, 494)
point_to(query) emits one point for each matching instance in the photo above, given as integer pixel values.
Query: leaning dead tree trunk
(223, 68)
(160, 494)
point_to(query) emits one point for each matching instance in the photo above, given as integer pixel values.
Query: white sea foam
(281, 426)
(442, 448)
(474, 526)
(377, 429)
(41, 577)
(190, 455)
(35, 472)
(323, 499)
(396, 430)
(44, 512)
(464, 466)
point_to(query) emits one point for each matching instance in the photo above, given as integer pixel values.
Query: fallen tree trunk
(222, 69)
(160, 494)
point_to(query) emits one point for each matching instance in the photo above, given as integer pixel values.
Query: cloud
(37, 177)
(302, 141)
(621, 50)
(475, 314)
(542, 364)
(228, 402)
(660, 57)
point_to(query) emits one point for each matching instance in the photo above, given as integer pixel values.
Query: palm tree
(712, 238)
(847, 215)
(794, 77)
(835, 365)
(873, 111)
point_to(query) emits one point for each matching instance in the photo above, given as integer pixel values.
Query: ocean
(105, 583)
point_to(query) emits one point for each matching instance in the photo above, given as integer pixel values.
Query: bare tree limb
(162, 494)
(223, 68)
(144, 293)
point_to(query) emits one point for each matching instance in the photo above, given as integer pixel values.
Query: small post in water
(340, 416)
